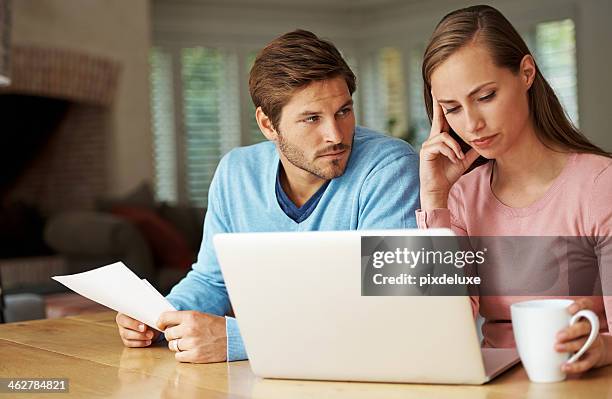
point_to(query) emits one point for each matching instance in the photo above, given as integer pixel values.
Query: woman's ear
(527, 70)
(265, 125)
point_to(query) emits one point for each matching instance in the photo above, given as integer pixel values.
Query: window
(555, 52)
(209, 117)
(164, 138)
(351, 61)
(255, 134)
(419, 128)
(211, 114)
(384, 92)
(215, 113)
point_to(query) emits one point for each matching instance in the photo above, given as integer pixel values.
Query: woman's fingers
(437, 148)
(580, 304)
(438, 122)
(586, 362)
(449, 142)
(580, 329)
(571, 346)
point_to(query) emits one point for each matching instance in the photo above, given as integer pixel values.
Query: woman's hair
(484, 24)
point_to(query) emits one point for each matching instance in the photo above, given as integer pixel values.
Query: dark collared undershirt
(296, 214)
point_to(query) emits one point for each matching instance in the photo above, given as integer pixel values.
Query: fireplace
(56, 121)
(62, 165)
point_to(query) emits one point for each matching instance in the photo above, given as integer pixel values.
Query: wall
(121, 30)
(372, 24)
(117, 29)
(405, 25)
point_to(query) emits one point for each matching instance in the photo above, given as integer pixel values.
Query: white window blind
(211, 88)
(351, 61)
(211, 114)
(419, 128)
(372, 96)
(384, 92)
(255, 135)
(164, 137)
(392, 69)
(556, 56)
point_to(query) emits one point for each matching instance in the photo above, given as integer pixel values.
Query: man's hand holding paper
(196, 337)
(117, 287)
(133, 333)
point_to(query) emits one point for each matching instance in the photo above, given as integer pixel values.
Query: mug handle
(594, 320)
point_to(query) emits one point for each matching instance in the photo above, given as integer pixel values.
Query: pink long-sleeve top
(578, 203)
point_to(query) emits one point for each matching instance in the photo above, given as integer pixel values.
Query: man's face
(316, 128)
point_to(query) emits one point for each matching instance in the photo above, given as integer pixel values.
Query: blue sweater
(378, 190)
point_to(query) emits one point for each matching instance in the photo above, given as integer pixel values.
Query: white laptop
(297, 300)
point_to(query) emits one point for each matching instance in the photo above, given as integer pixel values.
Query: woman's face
(487, 106)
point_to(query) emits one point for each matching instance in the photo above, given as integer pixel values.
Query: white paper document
(117, 287)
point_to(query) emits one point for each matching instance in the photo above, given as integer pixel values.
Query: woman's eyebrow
(475, 90)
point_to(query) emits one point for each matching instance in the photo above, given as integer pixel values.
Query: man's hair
(290, 62)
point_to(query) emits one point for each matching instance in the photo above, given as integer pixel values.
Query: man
(317, 172)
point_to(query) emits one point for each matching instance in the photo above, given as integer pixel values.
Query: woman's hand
(572, 338)
(441, 162)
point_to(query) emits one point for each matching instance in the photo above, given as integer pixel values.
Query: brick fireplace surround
(71, 170)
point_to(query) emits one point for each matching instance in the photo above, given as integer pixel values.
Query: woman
(541, 176)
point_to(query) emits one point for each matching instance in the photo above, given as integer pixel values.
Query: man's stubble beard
(297, 158)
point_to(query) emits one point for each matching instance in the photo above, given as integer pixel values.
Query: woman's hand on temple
(441, 162)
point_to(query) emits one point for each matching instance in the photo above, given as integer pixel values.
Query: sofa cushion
(187, 219)
(168, 245)
(90, 233)
(142, 197)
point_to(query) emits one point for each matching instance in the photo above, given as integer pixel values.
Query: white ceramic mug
(536, 324)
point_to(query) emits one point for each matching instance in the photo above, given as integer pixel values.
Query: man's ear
(527, 70)
(265, 125)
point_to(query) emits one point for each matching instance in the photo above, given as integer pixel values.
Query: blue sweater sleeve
(235, 346)
(389, 196)
(203, 289)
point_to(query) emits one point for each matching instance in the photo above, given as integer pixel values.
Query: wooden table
(87, 350)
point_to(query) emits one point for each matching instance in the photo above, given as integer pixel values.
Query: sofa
(157, 241)
(87, 239)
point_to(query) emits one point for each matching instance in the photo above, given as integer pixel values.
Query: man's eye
(344, 111)
(311, 119)
(487, 97)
